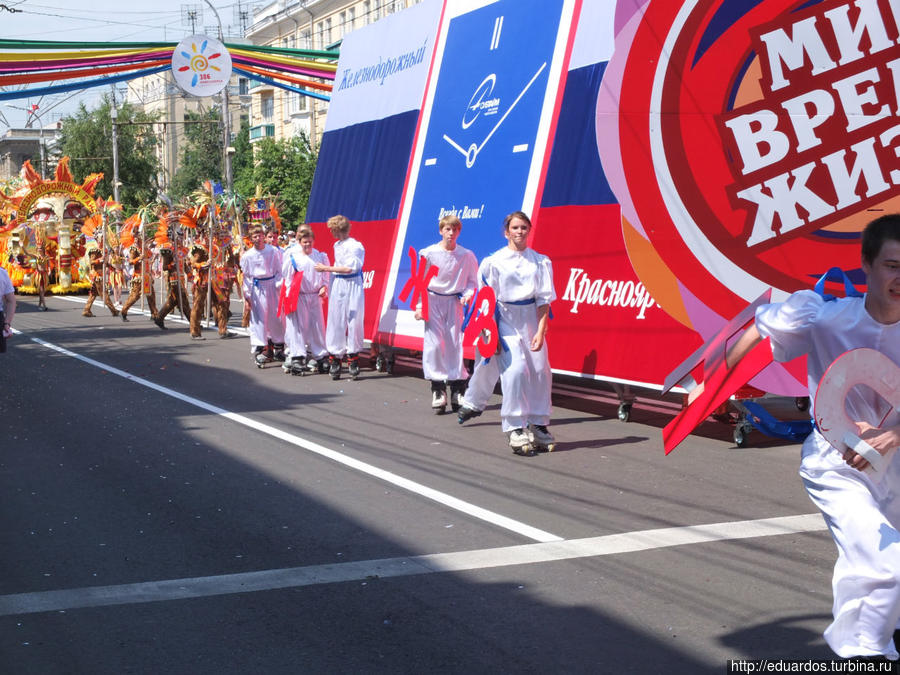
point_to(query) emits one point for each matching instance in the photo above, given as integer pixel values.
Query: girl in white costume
(452, 287)
(305, 326)
(346, 301)
(261, 266)
(523, 282)
(862, 511)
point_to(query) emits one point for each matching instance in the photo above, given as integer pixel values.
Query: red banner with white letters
(605, 324)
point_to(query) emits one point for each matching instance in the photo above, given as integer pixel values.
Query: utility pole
(226, 116)
(226, 147)
(114, 113)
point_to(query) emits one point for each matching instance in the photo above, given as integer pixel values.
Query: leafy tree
(284, 168)
(86, 137)
(201, 154)
(242, 161)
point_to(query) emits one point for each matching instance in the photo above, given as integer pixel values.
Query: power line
(106, 22)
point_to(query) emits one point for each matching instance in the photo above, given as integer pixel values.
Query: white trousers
(346, 313)
(481, 384)
(863, 517)
(305, 327)
(264, 320)
(525, 375)
(442, 353)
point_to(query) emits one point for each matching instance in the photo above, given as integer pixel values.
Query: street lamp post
(114, 114)
(226, 114)
(41, 143)
(227, 149)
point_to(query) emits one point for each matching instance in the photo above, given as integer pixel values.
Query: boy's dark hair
(515, 214)
(875, 234)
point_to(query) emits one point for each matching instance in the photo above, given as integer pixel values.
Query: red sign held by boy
(419, 277)
(482, 323)
(718, 382)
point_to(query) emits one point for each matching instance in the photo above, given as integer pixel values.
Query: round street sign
(201, 65)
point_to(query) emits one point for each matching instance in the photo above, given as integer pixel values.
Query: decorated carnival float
(41, 238)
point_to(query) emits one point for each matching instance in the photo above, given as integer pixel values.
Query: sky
(109, 21)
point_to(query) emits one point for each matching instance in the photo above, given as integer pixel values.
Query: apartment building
(159, 95)
(304, 24)
(18, 145)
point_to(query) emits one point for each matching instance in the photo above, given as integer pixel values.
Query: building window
(328, 38)
(267, 108)
(351, 19)
(297, 103)
(243, 86)
(304, 40)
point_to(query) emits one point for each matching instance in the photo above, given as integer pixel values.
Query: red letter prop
(865, 367)
(418, 282)
(287, 300)
(717, 383)
(483, 321)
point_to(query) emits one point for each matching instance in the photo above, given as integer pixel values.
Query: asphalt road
(167, 507)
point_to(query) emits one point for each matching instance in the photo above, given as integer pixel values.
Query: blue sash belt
(446, 295)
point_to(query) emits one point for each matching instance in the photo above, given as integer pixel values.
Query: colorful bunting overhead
(80, 65)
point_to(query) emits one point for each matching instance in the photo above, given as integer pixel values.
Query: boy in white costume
(862, 511)
(452, 287)
(261, 267)
(346, 301)
(272, 240)
(305, 326)
(522, 280)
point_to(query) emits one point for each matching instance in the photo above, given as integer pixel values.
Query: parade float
(41, 240)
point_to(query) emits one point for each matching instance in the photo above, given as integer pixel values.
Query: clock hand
(455, 145)
(509, 110)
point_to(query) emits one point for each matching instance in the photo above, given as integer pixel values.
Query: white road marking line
(387, 476)
(176, 318)
(296, 577)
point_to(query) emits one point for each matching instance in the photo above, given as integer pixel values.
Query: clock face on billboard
(485, 124)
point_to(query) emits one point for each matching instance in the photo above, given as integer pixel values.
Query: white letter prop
(855, 367)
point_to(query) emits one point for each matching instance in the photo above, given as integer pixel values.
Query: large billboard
(677, 158)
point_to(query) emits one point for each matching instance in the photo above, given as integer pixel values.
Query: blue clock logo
(481, 101)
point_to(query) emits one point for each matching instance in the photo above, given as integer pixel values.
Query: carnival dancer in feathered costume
(42, 265)
(95, 274)
(170, 261)
(141, 278)
(200, 267)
